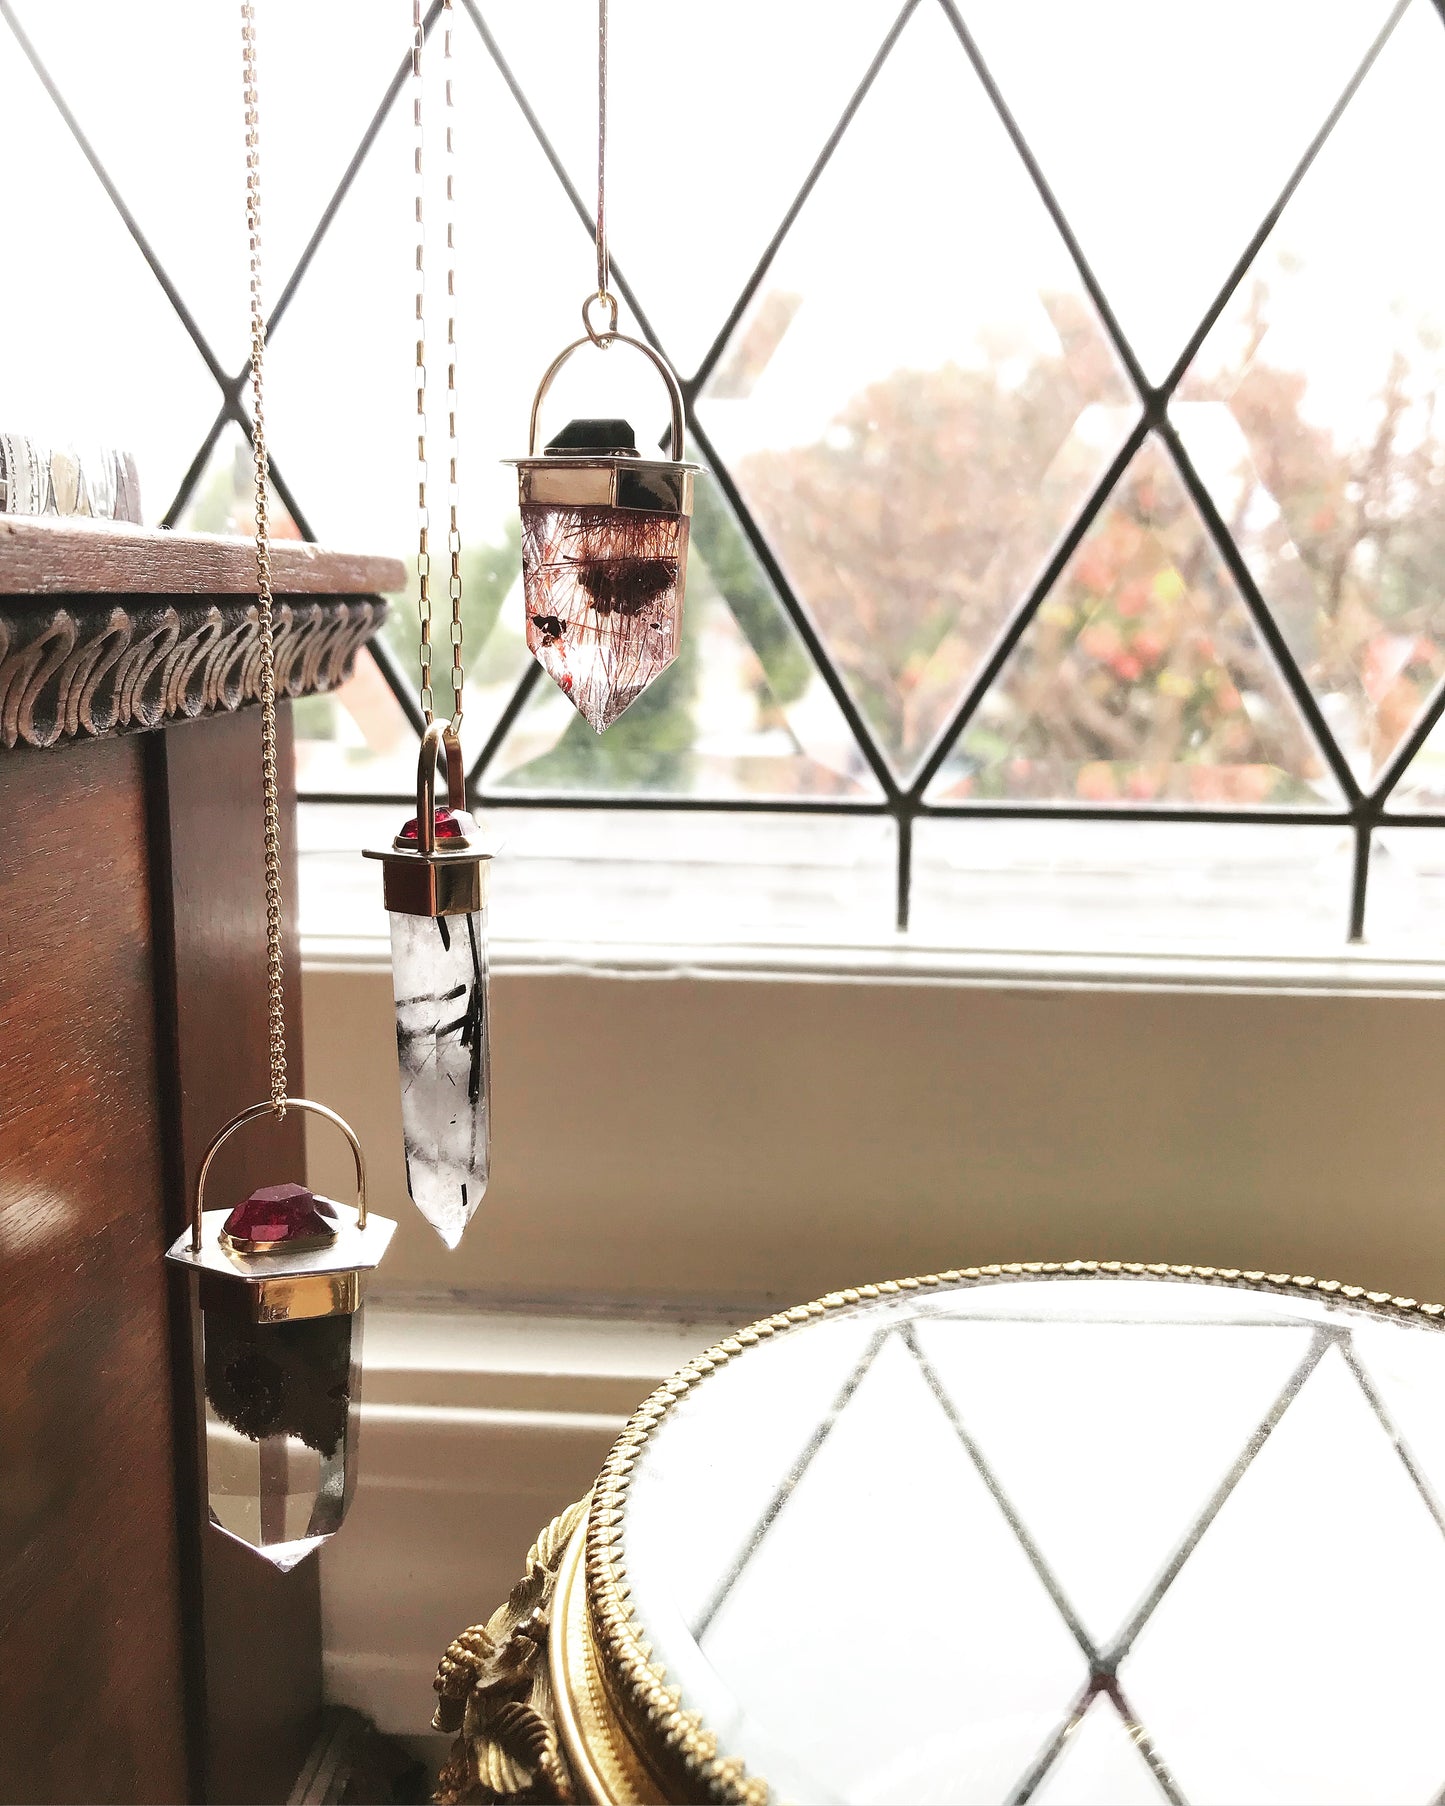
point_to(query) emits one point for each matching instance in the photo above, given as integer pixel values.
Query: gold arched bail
(251, 1114)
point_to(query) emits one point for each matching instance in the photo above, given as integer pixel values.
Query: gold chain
(454, 543)
(275, 972)
(604, 268)
(603, 291)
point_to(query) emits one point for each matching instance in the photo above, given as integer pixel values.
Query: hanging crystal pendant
(604, 551)
(280, 1280)
(435, 890)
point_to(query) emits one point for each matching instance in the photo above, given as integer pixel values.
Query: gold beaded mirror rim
(646, 1702)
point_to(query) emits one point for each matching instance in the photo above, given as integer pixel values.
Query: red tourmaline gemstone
(450, 826)
(280, 1213)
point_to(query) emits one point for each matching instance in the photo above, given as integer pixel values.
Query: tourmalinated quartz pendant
(604, 551)
(280, 1280)
(434, 883)
(439, 974)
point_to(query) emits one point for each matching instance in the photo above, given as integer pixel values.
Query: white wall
(729, 1140)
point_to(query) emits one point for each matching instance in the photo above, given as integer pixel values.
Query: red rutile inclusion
(280, 1213)
(604, 593)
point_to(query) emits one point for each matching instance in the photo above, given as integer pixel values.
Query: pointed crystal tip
(450, 1229)
(280, 1214)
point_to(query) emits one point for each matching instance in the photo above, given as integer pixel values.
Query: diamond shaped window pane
(146, 80)
(1314, 410)
(94, 353)
(1167, 132)
(1421, 789)
(1263, 1674)
(741, 711)
(1142, 678)
(920, 397)
(688, 226)
(1203, 1389)
(223, 496)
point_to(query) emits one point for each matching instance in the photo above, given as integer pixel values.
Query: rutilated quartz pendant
(604, 549)
(604, 600)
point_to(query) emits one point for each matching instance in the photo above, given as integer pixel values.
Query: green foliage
(724, 549)
(649, 748)
(488, 574)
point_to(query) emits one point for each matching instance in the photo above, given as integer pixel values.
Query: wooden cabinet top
(46, 555)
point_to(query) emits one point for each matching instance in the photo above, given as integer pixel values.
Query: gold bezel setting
(428, 876)
(297, 1244)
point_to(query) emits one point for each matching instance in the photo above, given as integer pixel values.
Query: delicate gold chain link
(603, 292)
(454, 538)
(275, 971)
(423, 554)
(454, 543)
(604, 267)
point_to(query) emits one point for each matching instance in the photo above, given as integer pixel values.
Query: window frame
(1363, 808)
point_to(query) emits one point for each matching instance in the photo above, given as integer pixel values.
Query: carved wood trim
(84, 666)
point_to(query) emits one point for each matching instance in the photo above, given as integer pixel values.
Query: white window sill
(1355, 970)
(446, 1353)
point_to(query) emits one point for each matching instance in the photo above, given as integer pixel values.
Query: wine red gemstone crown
(281, 1213)
(451, 824)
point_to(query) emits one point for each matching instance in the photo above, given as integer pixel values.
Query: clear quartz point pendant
(282, 1425)
(439, 976)
(280, 1281)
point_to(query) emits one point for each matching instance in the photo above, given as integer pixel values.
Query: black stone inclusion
(280, 1379)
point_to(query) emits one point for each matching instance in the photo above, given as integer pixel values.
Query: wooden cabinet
(146, 1657)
